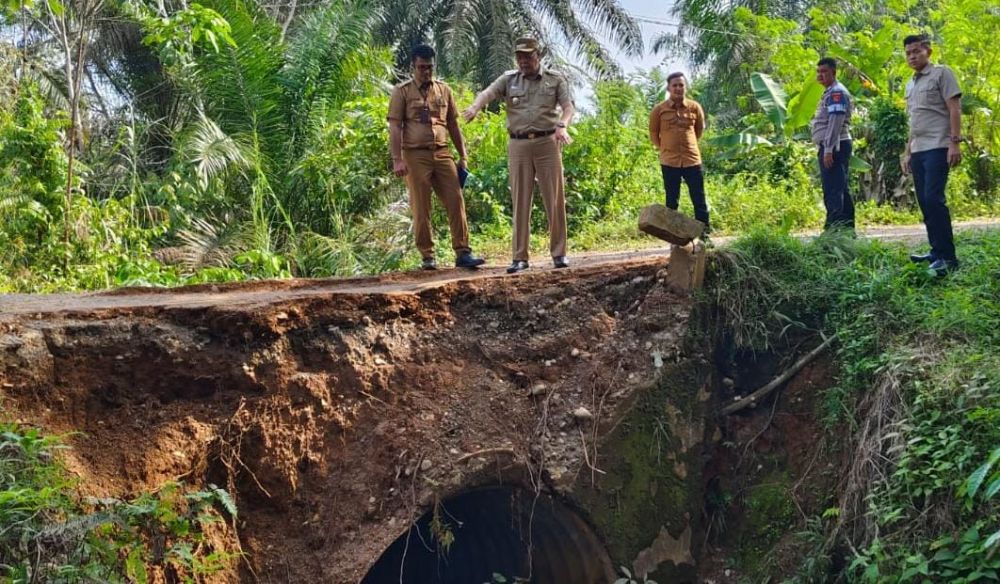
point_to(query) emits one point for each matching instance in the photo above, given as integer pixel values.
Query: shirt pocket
(684, 120)
(414, 106)
(547, 97)
(516, 96)
(931, 94)
(440, 108)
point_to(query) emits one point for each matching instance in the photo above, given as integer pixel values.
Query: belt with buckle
(531, 135)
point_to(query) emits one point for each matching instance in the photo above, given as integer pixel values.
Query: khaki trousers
(435, 170)
(530, 160)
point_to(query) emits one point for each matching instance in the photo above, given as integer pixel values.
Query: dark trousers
(695, 181)
(930, 175)
(836, 189)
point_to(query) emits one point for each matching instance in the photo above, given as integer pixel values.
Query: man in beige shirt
(934, 102)
(539, 108)
(422, 114)
(675, 126)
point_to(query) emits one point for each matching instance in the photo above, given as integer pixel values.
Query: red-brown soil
(338, 411)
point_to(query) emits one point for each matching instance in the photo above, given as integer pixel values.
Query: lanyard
(425, 113)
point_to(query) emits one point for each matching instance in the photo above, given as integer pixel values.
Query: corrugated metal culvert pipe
(503, 531)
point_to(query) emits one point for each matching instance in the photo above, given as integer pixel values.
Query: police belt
(530, 135)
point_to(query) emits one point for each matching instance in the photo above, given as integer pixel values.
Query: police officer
(830, 132)
(422, 114)
(675, 126)
(539, 108)
(934, 103)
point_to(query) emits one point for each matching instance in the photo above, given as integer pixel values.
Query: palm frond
(613, 21)
(240, 86)
(212, 151)
(367, 245)
(209, 242)
(583, 41)
(319, 57)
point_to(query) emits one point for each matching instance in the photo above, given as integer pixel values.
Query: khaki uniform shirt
(927, 95)
(831, 122)
(532, 102)
(675, 130)
(422, 130)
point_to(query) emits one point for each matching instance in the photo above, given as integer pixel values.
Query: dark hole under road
(496, 531)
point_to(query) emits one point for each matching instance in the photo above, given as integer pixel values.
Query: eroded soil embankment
(337, 418)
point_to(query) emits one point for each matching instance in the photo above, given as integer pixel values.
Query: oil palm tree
(263, 100)
(709, 36)
(475, 37)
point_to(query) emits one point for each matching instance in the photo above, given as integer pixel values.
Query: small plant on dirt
(52, 536)
(628, 578)
(441, 530)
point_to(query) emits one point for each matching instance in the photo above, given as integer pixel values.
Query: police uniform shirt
(423, 113)
(927, 95)
(830, 124)
(532, 101)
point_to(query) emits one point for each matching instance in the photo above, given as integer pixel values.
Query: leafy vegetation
(159, 144)
(169, 143)
(919, 387)
(52, 535)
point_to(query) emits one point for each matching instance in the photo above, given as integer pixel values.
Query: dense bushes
(919, 388)
(245, 149)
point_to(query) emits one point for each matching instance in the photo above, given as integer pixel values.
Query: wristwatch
(956, 139)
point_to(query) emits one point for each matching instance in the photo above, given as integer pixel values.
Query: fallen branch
(763, 392)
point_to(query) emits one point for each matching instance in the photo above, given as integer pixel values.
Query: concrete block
(669, 225)
(686, 270)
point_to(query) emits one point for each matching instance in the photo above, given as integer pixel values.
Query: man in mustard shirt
(675, 126)
(422, 115)
(539, 108)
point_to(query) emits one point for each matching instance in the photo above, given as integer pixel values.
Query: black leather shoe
(941, 268)
(517, 266)
(467, 260)
(560, 262)
(921, 258)
(428, 264)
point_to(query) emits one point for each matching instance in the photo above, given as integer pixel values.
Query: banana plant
(786, 116)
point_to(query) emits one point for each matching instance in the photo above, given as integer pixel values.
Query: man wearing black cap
(539, 109)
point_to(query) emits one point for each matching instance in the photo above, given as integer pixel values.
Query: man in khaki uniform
(422, 114)
(934, 102)
(539, 108)
(675, 126)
